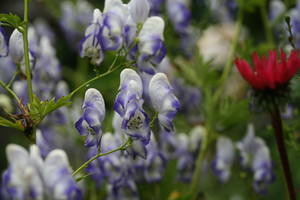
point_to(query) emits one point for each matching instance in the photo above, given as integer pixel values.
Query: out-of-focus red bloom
(269, 72)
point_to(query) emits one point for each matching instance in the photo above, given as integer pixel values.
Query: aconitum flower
(270, 72)
(151, 46)
(163, 100)
(224, 158)
(90, 45)
(139, 10)
(179, 14)
(114, 17)
(3, 44)
(128, 105)
(90, 123)
(255, 155)
(30, 177)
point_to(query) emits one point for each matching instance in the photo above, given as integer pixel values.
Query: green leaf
(40, 109)
(10, 124)
(11, 20)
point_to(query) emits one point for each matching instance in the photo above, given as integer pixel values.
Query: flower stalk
(277, 127)
(26, 51)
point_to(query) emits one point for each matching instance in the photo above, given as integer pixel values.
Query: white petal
(159, 87)
(128, 75)
(17, 155)
(139, 10)
(16, 46)
(153, 26)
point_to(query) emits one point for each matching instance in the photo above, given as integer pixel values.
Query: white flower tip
(129, 74)
(57, 156)
(94, 95)
(153, 25)
(97, 15)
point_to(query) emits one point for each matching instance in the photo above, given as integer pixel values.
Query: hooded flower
(90, 45)
(90, 123)
(163, 100)
(270, 72)
(224, 158)
(151, 47)
(128, 105)
(256, 156)
(114, 16)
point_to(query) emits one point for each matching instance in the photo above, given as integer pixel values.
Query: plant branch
(5, 87)
(84, 165)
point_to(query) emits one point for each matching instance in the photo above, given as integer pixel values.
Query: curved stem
(10, 92)
(26, 51)
(94, 79)
(84, 165)
(277, 127)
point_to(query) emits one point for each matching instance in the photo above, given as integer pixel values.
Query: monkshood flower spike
(30, 177)
(270, 82)
(163, 100)
(90, 123)
(90, 45)
(128, 105)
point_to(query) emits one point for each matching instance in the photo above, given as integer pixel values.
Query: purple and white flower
(30, 177)
(128, 105)
(179, 14)
(224, 158)
(114, 17)
(256, 156)
(90, 123)
(151, 48)
(90, 45)
(163, 100)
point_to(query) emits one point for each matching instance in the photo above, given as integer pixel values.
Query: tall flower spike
(151, 46)
(163, 99)
(90, 45)
(128, 105)
(270, 72)
(3, 44)
(91, 121)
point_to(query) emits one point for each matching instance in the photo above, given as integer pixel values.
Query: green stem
(10, 92)
(94, 79)
(12, 79)
(84, 165)
(26, 51)
(267, 27)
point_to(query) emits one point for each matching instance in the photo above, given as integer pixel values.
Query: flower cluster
(127, 27)
(30, 177)
(254, 157)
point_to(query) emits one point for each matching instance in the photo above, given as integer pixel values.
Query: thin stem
(10, 91)
(94, 79)
(12, 79)
(198, 167)
(84, 165)
(267, 27)
(151, 124)
(26, 51)
(277, 126)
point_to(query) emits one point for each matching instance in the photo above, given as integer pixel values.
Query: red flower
(269, 72)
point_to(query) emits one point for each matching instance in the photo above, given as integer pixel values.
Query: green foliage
(10, 20)
(40, 109)
(7, 123)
